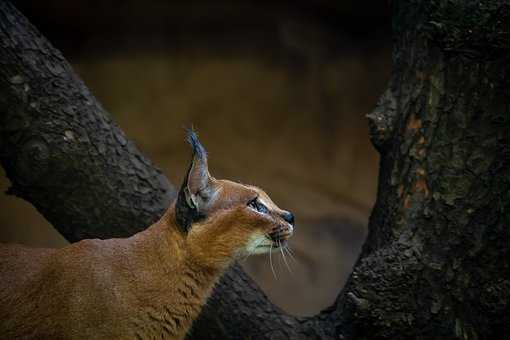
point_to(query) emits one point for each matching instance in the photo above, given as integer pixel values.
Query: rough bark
(434, 264)
(61, 150)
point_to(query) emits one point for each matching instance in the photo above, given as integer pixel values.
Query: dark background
(278, 92)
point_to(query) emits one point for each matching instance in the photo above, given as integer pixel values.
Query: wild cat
(150, 285)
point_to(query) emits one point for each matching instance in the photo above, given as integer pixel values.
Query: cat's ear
(198, 183)
(197, 188)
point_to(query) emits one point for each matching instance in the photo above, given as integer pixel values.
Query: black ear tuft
(198, 149)
(196, 188)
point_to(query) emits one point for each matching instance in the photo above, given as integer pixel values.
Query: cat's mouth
(272, 245)
(280, 235)
(276, 239)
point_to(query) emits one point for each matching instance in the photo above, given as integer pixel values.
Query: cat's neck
(201, 252)
(177, 282)
(175, 258)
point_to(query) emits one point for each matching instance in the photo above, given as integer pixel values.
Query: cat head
(222, 218)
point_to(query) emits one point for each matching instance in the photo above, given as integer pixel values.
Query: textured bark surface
(434, 264)
(61, 150)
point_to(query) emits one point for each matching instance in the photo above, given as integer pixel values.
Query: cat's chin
(262, 245)
(258, 244)
(266, 248)
(262, 249)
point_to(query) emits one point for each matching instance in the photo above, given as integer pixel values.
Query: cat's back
(20, 264)
(20, 269)
(56, 293)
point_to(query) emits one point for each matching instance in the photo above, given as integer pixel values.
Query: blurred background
(278, 92)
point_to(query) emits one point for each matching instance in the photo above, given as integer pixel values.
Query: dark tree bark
(435, 263)
(61, 150)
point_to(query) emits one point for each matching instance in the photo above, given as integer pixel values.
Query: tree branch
(61, 150)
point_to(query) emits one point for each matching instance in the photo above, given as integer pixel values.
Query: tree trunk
(434, 264)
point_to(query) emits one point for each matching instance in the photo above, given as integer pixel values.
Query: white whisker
(271, 261)
(284, 260)
(291, 254)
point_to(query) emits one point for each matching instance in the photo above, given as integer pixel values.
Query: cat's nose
(288, 217)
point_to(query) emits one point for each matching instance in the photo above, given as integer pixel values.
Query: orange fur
(150, 285)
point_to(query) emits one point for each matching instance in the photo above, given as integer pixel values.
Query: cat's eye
(257, 206)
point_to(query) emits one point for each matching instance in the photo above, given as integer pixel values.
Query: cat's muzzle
(281, 234)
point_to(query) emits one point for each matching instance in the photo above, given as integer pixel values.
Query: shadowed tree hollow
(435, 262)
